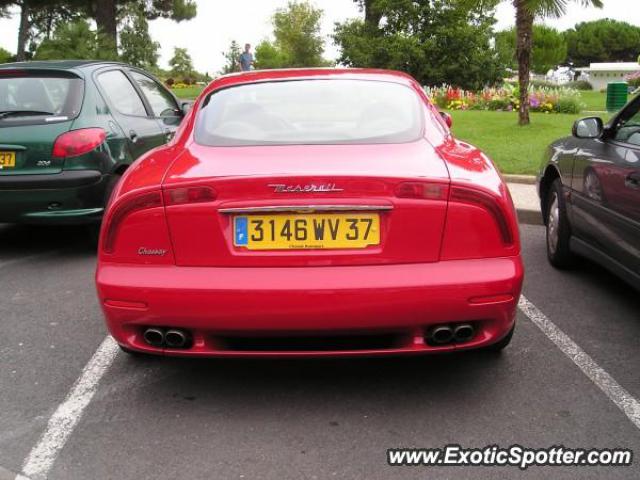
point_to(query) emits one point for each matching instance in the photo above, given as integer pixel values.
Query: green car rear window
(33, 97)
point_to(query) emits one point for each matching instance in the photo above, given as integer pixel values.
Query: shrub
(634, 79)
(542, 84)
(499, 104)
(579, 85)
(568, 105)
(169, 82)
(507, 98)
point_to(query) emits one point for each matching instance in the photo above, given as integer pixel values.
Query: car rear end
(50, 169)
(352, 241)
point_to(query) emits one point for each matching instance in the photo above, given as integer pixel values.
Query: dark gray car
(589, 188)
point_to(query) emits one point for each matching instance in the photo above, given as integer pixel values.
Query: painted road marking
(61, 424)
(63, 421)
(605, 382)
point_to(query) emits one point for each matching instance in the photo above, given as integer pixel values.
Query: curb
(525, 179)
(529, 217)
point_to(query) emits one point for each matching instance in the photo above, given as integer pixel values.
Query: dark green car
(69, 129)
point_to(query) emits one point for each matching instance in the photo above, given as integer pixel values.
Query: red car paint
(167, 258)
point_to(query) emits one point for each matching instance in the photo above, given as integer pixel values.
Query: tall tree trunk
(23, 32)
(106, 20)
(372, 14)
(524, 29)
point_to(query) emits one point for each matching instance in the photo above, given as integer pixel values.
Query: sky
(248, 21)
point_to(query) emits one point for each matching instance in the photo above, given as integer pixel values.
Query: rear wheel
(558, 228)
(93, 230)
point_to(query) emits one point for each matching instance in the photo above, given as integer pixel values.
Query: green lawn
(594, 101)
(517, 149)
(514, 149)
(188, 93)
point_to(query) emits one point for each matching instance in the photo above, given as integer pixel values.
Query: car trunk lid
(327, 187)
(27, 149)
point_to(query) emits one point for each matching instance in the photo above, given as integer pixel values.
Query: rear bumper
(401, 301)
(68, 197)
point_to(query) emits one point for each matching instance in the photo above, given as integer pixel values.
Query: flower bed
(633, 79)
(506, 98)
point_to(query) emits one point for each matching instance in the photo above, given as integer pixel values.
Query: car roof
(256, 76)
(59, 64)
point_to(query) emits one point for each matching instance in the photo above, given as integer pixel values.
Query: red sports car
(311, 213)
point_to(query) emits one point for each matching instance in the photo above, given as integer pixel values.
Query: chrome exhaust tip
(154, 337)
(441, 335)
(463, 332)
(175, 338)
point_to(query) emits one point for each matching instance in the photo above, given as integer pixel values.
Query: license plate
(306, 231)
(7, 159)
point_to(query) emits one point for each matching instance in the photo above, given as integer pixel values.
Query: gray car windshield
(310, 112)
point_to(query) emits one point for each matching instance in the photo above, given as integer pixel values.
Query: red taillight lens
(78, 142)
(180, 196)
(123, 209)
(490, 204)
(422, 190)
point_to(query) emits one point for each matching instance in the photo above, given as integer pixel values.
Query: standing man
(246, 59)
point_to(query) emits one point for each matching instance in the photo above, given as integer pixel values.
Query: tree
(526, 13)
(231, 58)
(136, 45)
(549, 48)
(5, 56)
(297, 33)
(39, 18)
(181, 63)
(298, 42)
(436, 41)
(108, 12)
(269, 55)
(603, 41)
(372, 12)
(73, 40)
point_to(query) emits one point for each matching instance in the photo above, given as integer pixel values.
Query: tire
(558, 230)
(93, 230)
(502, 344)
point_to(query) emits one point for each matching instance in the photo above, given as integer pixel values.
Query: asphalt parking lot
(167, 418)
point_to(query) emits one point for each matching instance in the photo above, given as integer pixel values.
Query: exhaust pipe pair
(172, 338)
(444, 334)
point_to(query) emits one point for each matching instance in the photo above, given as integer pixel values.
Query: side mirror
(185, 107)
(447, 119)
(590, 127)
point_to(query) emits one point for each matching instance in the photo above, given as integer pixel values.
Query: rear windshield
(27, 97)
(310, 112)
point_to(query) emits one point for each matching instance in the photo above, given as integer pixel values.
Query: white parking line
(61, 424)
(63, 421)
(618, 395)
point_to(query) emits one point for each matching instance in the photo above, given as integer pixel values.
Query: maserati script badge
(311, 188)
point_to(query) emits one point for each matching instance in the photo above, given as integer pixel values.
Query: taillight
(78, 142)
(182, 195)
(122, 210)
(490, 204)
(422, 190)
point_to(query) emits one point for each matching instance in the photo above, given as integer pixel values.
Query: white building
(600, 74)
